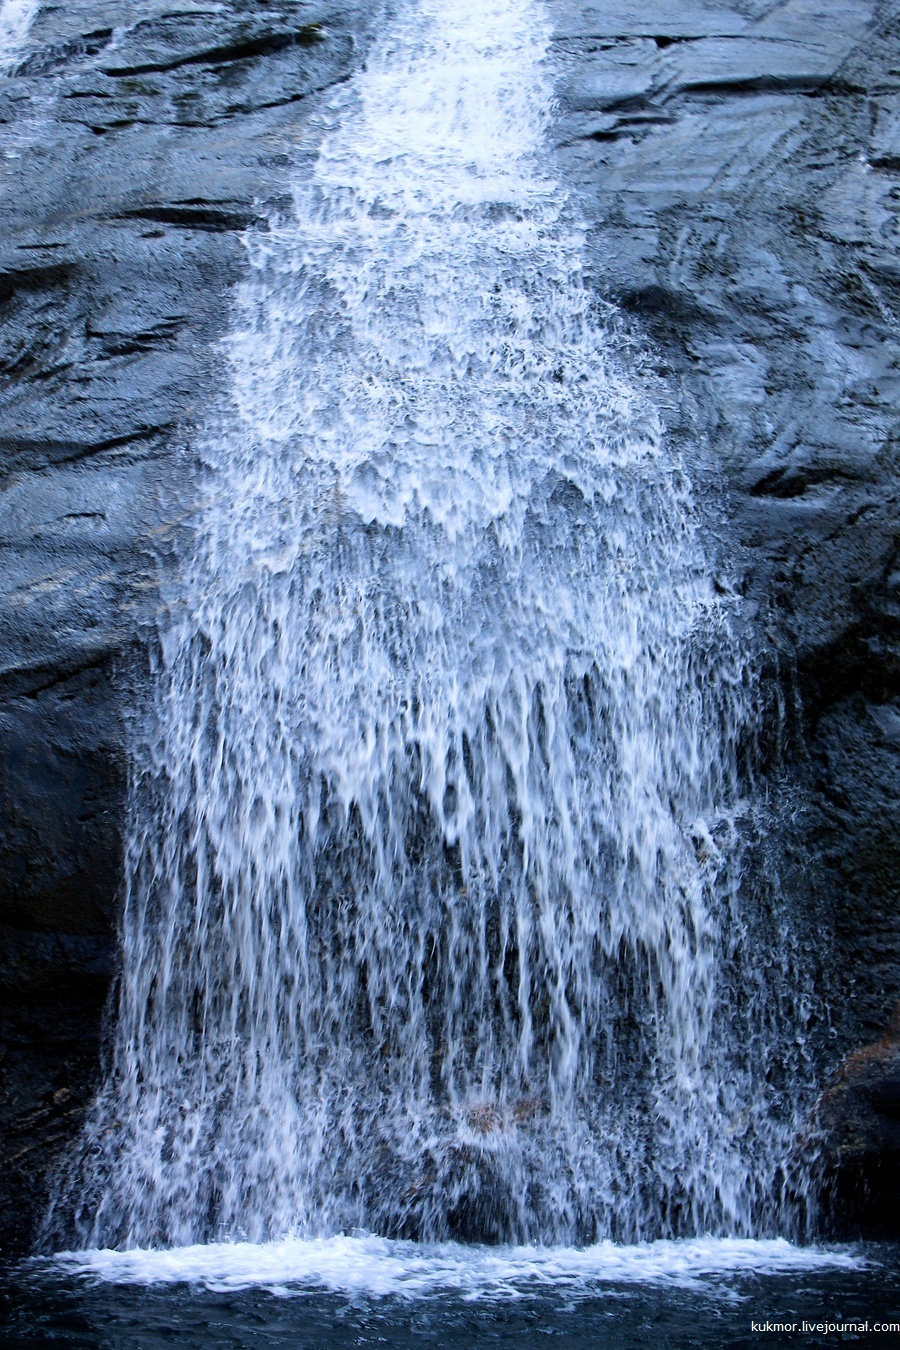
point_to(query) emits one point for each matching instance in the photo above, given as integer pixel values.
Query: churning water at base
(377, 1268)
(432, 924)
(346, 1292)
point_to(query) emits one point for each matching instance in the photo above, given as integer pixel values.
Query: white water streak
(15, 20)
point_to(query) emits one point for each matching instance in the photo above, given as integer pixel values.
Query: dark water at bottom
(40, 1306)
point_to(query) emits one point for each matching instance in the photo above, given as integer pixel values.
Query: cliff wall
(739, 164)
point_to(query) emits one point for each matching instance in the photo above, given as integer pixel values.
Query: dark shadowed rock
(859, 1116)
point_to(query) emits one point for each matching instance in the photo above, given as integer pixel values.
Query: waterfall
(432, 923)
(15, 20)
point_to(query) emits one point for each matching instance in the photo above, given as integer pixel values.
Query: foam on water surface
(375, 1267)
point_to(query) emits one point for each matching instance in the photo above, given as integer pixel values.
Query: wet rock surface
(740, 168)
(140, 140)
(859, 1119)
(739, 164)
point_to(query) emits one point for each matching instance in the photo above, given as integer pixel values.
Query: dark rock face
(859, 1116)
(141, 140)
(739, 164)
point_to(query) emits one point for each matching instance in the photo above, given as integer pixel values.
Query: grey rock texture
(739, 165)
(140, 139)
(859, 1115)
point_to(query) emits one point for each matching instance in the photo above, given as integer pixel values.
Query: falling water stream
(432, 921)
(15, 19)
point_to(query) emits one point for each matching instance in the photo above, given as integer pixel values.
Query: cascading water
(15, 20)
(431, 921)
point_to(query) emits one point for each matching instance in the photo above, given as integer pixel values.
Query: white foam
(376, 1267)
(15, 21)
